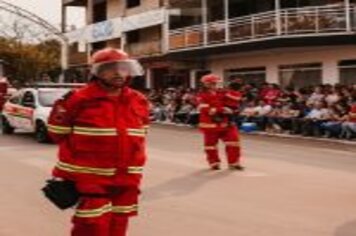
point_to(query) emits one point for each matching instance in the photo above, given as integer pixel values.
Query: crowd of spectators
(319, 111)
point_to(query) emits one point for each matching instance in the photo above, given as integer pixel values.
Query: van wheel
(6, 128)
(41, 133)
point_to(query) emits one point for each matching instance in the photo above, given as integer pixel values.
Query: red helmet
(210, 78)
(109, 55)
(115, 59)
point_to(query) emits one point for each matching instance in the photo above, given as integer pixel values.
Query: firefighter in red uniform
(3, 92)
(215, 124)
(101, 132)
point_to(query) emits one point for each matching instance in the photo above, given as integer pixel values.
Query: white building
(289, 42)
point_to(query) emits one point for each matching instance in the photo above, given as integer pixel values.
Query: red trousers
(105, 215)
(230, 137)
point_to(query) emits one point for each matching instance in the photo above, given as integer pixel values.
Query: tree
(28, 61)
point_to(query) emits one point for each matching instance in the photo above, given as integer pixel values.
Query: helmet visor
(123, 68)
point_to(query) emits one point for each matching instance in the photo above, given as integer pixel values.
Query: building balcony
(328, 20)
(78, 59)
(144, 49)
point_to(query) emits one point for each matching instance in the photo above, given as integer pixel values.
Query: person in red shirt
(349, 127)
(3, 92)
(215, 124)
(100, 130)
(271, 94)
(233, 96)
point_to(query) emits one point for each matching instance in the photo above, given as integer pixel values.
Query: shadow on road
(182, 186)
(347, 229)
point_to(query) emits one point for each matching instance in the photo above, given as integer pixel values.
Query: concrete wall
(271, 59)
(116, 8)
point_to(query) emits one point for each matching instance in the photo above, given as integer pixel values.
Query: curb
(264, 134)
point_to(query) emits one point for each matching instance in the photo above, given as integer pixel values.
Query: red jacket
(3, 94)
(101, 138)
(232, 99)
(271, 96)
(211, 101)
(352, 113)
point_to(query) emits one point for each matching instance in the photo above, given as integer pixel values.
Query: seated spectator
(262, 112)
(181, 116)
(283, 122)
(316, 96)
(349, 127)
(247, 113)
(333, 127)
(272, 94)
(298, 122)
(158, 112)
(332, 97)
(310, 111)
(272, 125)
(313, 120)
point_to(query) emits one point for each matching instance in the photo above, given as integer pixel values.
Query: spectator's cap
(115, 59)
(210, 79)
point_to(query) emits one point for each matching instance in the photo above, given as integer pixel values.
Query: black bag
(61, 193)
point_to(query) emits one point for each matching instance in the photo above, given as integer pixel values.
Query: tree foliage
(26, 62)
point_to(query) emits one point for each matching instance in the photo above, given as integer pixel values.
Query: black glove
(61, 193)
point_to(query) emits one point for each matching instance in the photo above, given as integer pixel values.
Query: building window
(254, 75)
(347, 71)
(133, 3)
(300, 75)
(133, 36)
(98, 46)
(100, 12)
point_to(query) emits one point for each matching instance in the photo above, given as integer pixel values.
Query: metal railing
(291, 22)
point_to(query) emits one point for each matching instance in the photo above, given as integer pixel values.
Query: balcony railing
(292, 22)
(77, 58)
(144, 49)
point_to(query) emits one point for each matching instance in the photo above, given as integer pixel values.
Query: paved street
(291, 188)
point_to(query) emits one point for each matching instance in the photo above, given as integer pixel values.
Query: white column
(348, 15)
(272, 74)
(205, 21)
(89, 50)
(148, 78)
(193, 79)
(227, 17)
(64, 59)
(123, 40)
(165, 32)
(330, 73)
(278, 16)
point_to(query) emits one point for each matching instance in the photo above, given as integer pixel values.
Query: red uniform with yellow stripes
(102, 148)
(211, 104)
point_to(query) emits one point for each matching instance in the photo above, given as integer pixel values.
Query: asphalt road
(290, 188)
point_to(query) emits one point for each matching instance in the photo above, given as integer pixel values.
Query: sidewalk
(260, 133)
